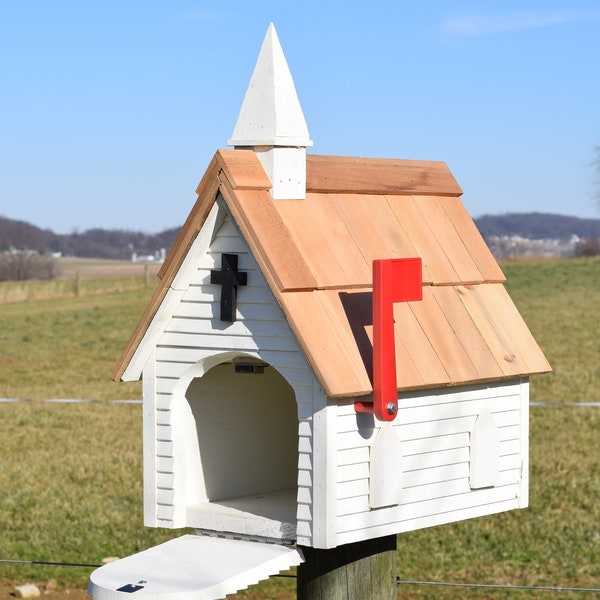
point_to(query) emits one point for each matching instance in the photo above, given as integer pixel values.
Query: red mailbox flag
(394, 280)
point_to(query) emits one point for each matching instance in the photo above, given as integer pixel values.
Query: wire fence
(399, 582)
(497, 586)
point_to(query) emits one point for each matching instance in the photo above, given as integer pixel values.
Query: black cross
(228, 278)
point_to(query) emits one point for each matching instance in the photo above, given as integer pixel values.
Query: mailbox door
(192, 566)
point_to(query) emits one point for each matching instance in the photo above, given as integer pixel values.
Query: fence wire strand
(46, 562)
(399, 581)
(498, 586)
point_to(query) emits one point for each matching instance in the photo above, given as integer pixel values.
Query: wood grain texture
(269, 238)
(449, 240)
(341, 174)
(467, 231)
(508, 323)
(329, 344)
(440, 269)
(384, 236)
(350, 572)
(327, 246)
(243, 170)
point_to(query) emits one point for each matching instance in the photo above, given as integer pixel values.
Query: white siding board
(225, 342)
(351, 489)
(427, 508)
(191, 355)
(164, 433)
(171, 370)
(163, 401)
(441, 412)
(164, 448)
(166, 497)
(352, 472)
(430, 460)
(305, 477)
(442, 474)
(303, 532)
(164, 464)
(274, 328)
(353, 456)
(510, 446)
(496, 391)
(426, 398)
(209, 293)
(227, 241)
(209, 309)
(305, 461)
(196, 310)
(165, 385)
(165, 513)
(305, 444)
(165, 481)
(163, 417)
(304, 495)
(363, 533)
(436, 443)
(304, 512)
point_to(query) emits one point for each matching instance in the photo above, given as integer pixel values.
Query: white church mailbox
(267, 406)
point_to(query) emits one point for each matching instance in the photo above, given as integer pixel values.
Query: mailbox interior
(246, 425)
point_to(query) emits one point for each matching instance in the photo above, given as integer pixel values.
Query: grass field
(70, 475)
(82, 277)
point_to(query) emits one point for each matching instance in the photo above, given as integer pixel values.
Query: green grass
(26, 291)
(72, 488)
(67, 347)
(70, 475)
(560, 302)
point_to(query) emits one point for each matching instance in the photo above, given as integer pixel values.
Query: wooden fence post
(77, 284)
(358, 571)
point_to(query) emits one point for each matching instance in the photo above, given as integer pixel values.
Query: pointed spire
(271, 122)
(271, 114)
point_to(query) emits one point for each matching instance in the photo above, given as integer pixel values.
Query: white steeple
(271, 122)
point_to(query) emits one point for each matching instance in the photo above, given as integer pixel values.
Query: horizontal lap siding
(195, 328)
(434, 429)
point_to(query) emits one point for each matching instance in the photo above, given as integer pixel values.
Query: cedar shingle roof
(316, 255)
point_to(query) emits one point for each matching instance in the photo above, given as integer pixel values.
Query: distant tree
(588, 247)
(19, 266)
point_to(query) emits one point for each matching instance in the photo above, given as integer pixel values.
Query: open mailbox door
(192, 567)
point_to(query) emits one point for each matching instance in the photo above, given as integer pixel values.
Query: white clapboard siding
(195, 331)
(239, 328)
(164, 464)
(426, 513)
(208, 292)
(436, 444)
(435, 432)
(449, 482)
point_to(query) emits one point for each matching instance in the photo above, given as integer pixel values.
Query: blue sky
(111, 110)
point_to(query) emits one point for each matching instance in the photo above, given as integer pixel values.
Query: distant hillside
(538, 226)
(122, 243)
(94, 243)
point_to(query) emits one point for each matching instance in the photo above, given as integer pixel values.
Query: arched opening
(247, 430)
